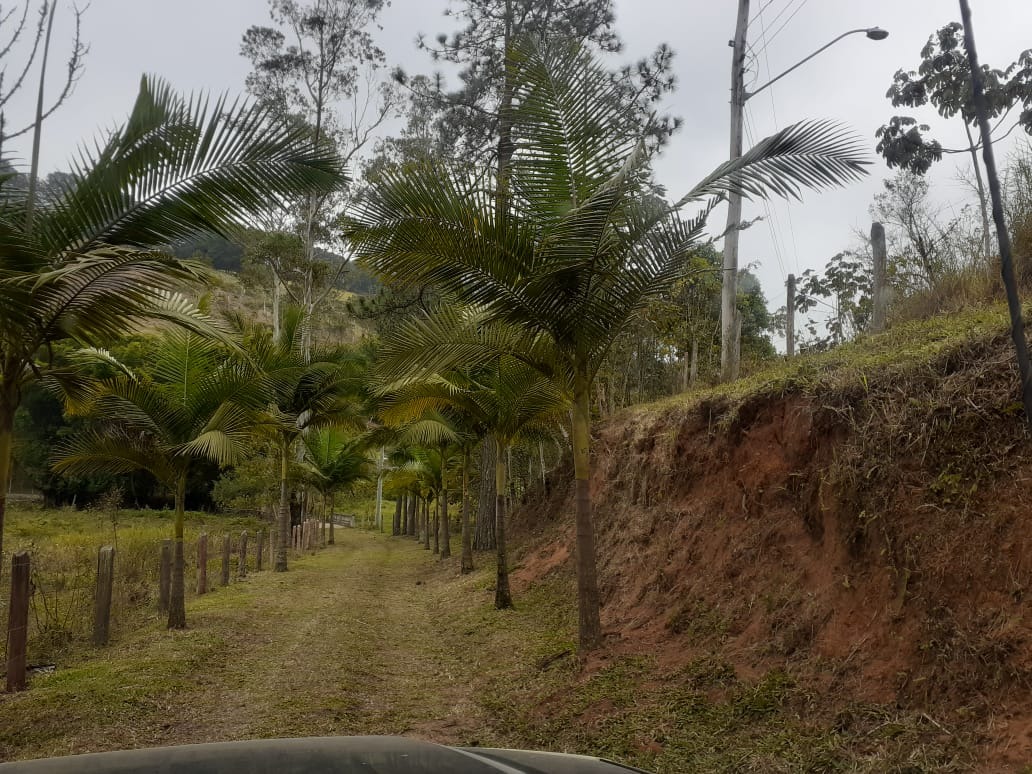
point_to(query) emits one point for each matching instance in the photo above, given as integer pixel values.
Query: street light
(873, 33)
(730, 320)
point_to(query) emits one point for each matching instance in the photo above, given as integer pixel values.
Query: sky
(194, 44)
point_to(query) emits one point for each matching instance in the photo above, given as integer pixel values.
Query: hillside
(853, 527)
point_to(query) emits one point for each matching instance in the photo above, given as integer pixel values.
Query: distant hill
(226, 255)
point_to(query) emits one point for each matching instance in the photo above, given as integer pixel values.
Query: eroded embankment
(861, 521)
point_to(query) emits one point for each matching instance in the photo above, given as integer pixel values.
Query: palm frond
(179, 166)
(809, 154)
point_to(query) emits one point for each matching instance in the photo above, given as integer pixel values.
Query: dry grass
(63, 546)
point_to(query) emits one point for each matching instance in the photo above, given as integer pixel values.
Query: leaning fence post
(165, 576)
(259, 545)
(227, 547)
(18, 621)
(202, 563)
(242, 568)
(102, 597)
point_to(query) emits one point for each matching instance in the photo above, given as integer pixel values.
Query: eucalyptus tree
(305, 390)
(582, 245)
(318, 65)
(191, 401)
(86, 267)
(458, 360)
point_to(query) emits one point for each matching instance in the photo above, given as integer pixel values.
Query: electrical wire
(773, 35)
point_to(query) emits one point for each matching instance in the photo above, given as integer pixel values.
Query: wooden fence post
(259, 546)
(790, 317)
(102, 597)
(227, 547)
(306, 531)
(879, 291)
(18, 621)
(165, 576)
(202, 563)
(243, 554)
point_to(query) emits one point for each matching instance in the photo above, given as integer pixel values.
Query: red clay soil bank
(873, 536)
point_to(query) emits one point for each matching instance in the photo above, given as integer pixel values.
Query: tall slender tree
(318, 65)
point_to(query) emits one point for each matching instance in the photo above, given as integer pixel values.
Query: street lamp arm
(872, 32)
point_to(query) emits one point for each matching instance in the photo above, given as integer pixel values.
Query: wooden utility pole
(790, 317)
(878, 291)
(1006, 262)
(729, 315)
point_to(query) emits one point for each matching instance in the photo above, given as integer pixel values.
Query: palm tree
(335, 462)
(431, 364)
(582, 244)
(86, 266)
(190, 402)
(305, 391)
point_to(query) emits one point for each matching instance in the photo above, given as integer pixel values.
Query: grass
(906, 346)
(375, 635)
(63, 547)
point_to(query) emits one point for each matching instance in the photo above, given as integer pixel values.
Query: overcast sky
(195, 45)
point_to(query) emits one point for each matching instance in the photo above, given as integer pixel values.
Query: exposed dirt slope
(861, 521)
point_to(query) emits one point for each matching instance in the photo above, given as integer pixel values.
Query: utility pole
(729, 325)
(790, 317)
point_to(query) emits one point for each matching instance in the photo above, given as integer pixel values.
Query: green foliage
(943, 80)
(846, 289)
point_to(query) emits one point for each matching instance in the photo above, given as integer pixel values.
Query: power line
(774, 113)
(782, 13)
(763, 8)
(775, 241)
(785, 24)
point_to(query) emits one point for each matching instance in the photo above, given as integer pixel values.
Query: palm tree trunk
(426, 523)
(7, 409)
(177, 595)
(437, 524)
(484, 537)
(330, 516)
(466, 564)
(284, 511)
(445, 528)
(410, 515)
(396, 525)
(588, 603)
(503, 596)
